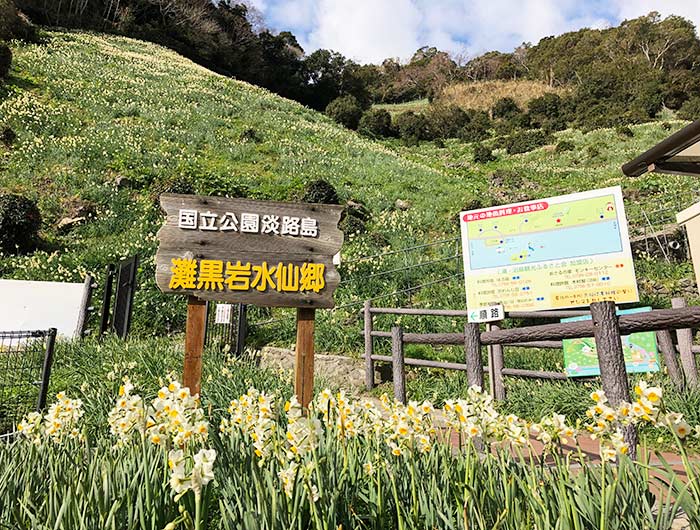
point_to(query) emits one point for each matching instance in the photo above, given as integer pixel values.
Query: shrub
(624, 130)
(250, 135)
(345, 110)
(20, 221)
(525, 141)
(412, 127)
(548, 112)
(505, 108)
(321, 191)
(445, 121)
(376, 123)
(690, 110)
(354, 218)
(477, 128)
(483, 154)
(8, 136)
(12, 24)
(5, 60)
(564, 145)
(474, 132)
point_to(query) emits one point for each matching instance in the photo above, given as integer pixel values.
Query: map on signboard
(640, 350)
(553, 253)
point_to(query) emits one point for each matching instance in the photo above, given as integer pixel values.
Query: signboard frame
(267, 253)
(556, 274)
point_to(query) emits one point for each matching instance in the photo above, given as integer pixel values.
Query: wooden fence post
(472, 350)
(194, 344)
(668, 353)
(369, 346)
(496, 354)
(304, 362)
(611, 359)
(685, 345)
(397, 363)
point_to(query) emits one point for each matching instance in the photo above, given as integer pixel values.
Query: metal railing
(25, 368)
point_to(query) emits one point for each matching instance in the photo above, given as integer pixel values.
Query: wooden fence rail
(681, 318)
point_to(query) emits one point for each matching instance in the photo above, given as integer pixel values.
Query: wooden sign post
(271, 254)
(304, 362)
(194, 343)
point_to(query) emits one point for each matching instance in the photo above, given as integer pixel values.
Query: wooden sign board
(265, 253)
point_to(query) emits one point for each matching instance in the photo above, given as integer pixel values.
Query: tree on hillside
(428, 72)
(665, 44)
(330, 75)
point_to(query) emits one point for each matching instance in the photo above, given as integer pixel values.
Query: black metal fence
(25, 368)
(226, 328)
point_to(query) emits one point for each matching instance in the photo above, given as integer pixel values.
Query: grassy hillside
(104, 124)
(482, 95)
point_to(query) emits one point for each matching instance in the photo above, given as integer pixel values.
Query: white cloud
(372, 30)
(367, 30)
(689, 9)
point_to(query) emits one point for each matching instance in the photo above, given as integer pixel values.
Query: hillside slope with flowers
(94, 127)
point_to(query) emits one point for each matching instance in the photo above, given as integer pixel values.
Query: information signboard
(265, 253)
(554, 253)
(640, 350)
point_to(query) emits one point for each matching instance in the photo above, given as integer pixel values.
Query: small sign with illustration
(641, 353)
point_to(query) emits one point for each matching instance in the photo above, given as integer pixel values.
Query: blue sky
(371, 30)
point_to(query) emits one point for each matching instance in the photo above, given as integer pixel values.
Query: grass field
(482, 95)
(417, 105)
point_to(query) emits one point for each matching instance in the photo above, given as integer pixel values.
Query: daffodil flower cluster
(253, 414)
(190, 472)
(303, 433)
(408, 427)
(174, 418)
(128, 414)
(60, 422)
(476, 417)
(176, 414)
(553, 431)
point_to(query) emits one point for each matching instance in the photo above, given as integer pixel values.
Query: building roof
(678, 154)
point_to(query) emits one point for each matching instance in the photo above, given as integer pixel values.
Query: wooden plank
(328, 241)
(496, 352)
(411, 337)
(426, 363)
(269, 297)
(611, 359)
(194, 344)
(304, 366)
(515, 372)
(472, 350)
(534, 374)
(542, 344)
(217, 231)
(685, 345)
(668, 354)
(397, 364)
(369, 346)
(658, 319)
(564, 313)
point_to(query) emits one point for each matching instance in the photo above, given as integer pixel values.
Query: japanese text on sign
(248, 223)
(217, 275)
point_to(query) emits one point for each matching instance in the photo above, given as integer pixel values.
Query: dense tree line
(623, 74)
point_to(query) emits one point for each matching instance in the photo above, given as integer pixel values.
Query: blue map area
(563, 243)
